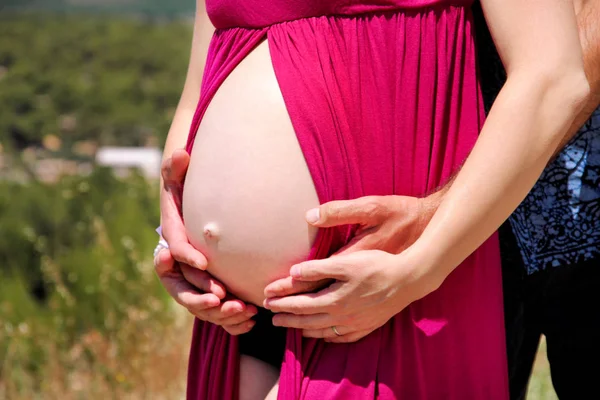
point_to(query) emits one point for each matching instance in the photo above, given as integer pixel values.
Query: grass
(154, 368)
(102, 327)
(82, 314)
(540, 386)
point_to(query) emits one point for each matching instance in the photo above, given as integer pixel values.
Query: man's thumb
(365, 211)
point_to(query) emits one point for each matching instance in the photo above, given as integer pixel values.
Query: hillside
(170, 8)
(113, 81)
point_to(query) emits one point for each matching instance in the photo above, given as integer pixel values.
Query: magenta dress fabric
(384, 98)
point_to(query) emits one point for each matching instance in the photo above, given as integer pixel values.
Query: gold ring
(334, 329)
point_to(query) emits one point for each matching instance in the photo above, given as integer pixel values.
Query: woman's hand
(173, 172)
(180, 268)
(371, 287)
(202, 295)
(363, 296)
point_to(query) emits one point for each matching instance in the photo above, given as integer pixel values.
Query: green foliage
(82, 314)
(113, 81)
(148, 7)
(79, 301)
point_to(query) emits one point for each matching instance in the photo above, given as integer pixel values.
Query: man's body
(551, 280)
(550, 246)
(389, 217)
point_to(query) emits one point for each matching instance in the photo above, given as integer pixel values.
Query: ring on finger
(162, 244)
(334, 329)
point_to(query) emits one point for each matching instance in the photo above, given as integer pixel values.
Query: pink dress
(384, 98)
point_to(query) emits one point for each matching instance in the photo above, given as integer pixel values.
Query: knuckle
(313, 333)
(351, 338)
(339, 269)
(306, 325)
(314, 325)
(195, 309)
(330, 212)
(336, 306)
(234, 330)
(339, 210)
(308, 333)
(166, 172)
(293, 309)
(176, 248)
(289, 321)
(349, 320)
(202, 316)
(373, 207)
(212, 318)
(182, 299)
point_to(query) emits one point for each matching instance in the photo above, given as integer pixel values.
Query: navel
(211, 232)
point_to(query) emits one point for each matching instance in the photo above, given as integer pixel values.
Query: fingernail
(266, 304)
(272, 290)
(238, 310)
(312, 216)
(213, 302)
(295, 271)
(276, 323)
(250, 324)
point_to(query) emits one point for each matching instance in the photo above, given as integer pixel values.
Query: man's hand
(363, 296)
(180, 268)
(388, 223)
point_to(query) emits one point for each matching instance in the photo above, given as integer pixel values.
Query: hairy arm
(588, 15)
(588, 21)
(546, 89)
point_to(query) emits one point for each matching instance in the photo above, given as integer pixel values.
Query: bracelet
(162, 244)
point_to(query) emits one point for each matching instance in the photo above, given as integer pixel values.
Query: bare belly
(248, 186)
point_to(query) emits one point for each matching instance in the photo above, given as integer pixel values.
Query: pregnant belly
(248, 186)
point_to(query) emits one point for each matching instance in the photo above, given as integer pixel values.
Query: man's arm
(588, 17)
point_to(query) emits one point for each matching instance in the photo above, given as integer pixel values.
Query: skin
(185, 279)
(306, 314)
(252, 245)
(387, 219)
(588, 13)
(544, 66)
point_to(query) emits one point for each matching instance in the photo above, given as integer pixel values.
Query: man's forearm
(588, 17)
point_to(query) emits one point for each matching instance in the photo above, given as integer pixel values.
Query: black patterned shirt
(559, 221)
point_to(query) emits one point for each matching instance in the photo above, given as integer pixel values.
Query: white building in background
(123, 159)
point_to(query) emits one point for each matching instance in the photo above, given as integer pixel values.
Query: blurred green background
(82, 315)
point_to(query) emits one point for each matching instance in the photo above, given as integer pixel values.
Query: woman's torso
(248, 185)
